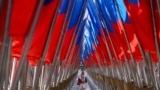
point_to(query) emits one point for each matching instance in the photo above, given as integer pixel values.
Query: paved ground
(90, 85)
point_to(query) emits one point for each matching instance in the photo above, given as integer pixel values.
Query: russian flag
(78, 38)
(129, 30)
(141, 18)
(60, 21)
(115, 27)
(98, 43)
(96, 27)
(22, 15)
(41, 31)
(72, 23)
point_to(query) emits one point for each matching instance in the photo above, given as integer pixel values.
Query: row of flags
(128, 27)
(96, 32)
(21, 19)
(124, 26)
(130, 24)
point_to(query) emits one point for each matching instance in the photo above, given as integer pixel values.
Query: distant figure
(82, 81)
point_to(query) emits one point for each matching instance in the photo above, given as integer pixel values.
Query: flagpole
(139, 45)
(5, 61)
(116, 57)
(109, 54)
(63, 34)
(24, 77)
(150, 64)
(156, 45)
(73, 64)
(5, 40)
(13, 68)
(75, 58)
(70, 54)
(8, 66)
(26, 46)
(142, 52)
(30, 75)
(22, 80)
(155, 32)
(56, 58)
(41, 77)
(42, 59)
(73, 42)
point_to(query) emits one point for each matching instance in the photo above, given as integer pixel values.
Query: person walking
(82, 81)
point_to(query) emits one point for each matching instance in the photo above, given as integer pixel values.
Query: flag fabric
(116, 26)
(22, 14)
(17, 46)
(72, 24)
(79, 38)
(156, 12)
(108, 20)
(57, 29)
(126, 27)
(118, 17)
(76, 41)
(42, 29)
(141, 19)
(96, 33)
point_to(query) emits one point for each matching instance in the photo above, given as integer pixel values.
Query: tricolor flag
(60, 21)
(72, 23)
(41, 31)
(141, 19)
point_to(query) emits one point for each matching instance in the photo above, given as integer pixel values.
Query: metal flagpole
(56, 58)
(62, 37)
(139, 80)
(5, 42)
(63, 73)
(34, 74)
(131, 55)
(42, 59)
(7, 66)
(41, 77)
(22, 80)
(74, 64)
(30, 76)
(75, 57)
(57, 75)
(150, 64)
(146, 78)
(26, 46)
(13, 69)
(73, 40)
(4, 62)
(156, 43)
(118, 70)
(109, 54)
(127, 78)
